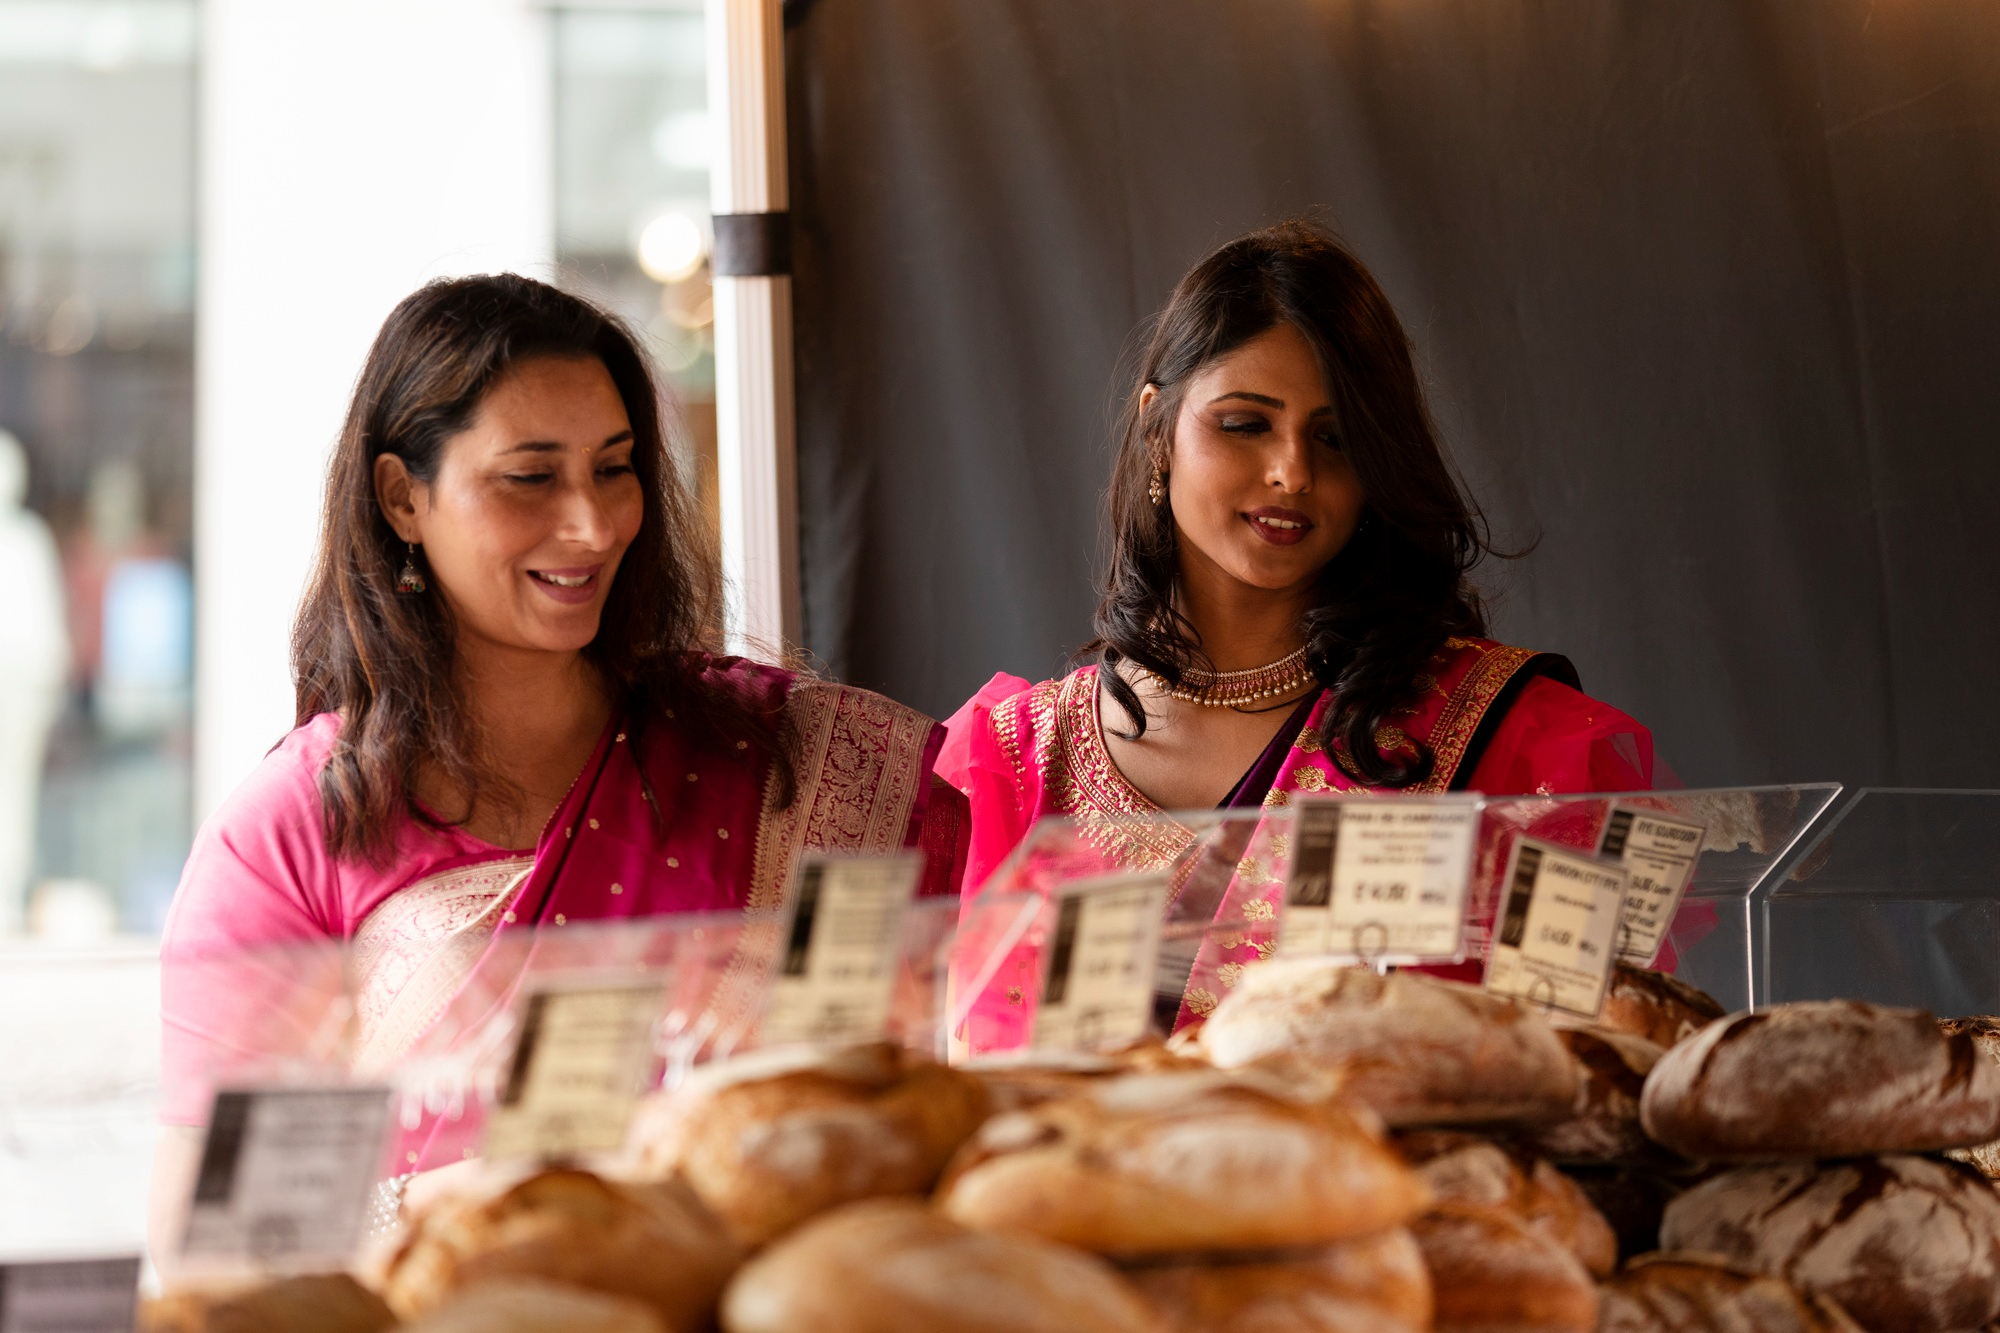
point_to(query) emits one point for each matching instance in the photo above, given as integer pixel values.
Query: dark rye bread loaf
(1655, 1005)
(1493, 1273)
(1830, 1078)
(1604, 1125)
(1900, 1242)
(1705, 1293)
(1466, 1169)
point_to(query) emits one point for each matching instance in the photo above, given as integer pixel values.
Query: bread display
(517, 1305)
(655, 1243)
(896, 1266)
(1603, 1125)
(1152, 1164)
(1703, 1293)
(1419, 1050)
(1657, 1006)
(1018, 1081)
(1985, 1034)
(1464, 1169)
(319, 1303)
(1493, 1273)
(1900, 1242)
(1631, 1199)
(1377, 1284)
(1833, 1078)
(771, 1139)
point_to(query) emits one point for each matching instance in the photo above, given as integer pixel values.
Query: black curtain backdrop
(1705, 292)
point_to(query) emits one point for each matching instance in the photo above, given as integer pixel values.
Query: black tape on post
(753, 245)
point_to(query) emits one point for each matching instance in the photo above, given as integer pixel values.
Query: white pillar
(349, 152)
(756, 459)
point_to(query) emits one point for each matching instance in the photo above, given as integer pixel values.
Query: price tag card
(285, 1176)
(838, 970)
(1558, 932)
(1382, 880)
(79, 1296)
(1659, 855)
(579, 1068)
(1097, 974)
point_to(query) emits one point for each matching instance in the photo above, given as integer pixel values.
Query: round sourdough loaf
(773, 1138)
(1377, 1284)
(1830, 1078)
(1492, 1273)
(1421, 1051)
(1900, 1242)
(1462, 1168)
(1153, 1164)
(517, 1305)
(320, 1303)
(1603, 1126)
(1705, 1293)
(655, 1243)
(895, 1266)
(1655, 1005)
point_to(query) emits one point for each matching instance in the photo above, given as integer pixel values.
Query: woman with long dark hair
(1287, 607)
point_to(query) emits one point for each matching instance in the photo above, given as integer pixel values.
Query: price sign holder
(285, 1177)
(1098, 965)
(1557, 934)
(1659, 854)
(71, 1296)
(836, 968)
(1382, 881)
(579, 1067)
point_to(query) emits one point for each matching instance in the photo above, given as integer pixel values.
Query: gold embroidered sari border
(1462, 713)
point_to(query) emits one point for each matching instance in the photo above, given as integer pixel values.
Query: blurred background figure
(34, 660)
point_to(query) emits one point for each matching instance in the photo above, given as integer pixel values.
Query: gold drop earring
(411, 579)
(1156, 489)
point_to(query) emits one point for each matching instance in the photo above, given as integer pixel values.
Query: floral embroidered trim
(1466, 708)
(1084, 782)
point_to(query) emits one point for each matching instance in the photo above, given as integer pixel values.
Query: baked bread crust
(1152, 1164)
(768, 1141)
(1900, 1242)
(1830, 1078)
(1705, 1293)
(317, 1303)
(1017, 1082)
(519, 1305)
(1465, 1169)
(1603, 1126)
(653, 1242)
(1377, 1284)
(1985, 1033)
(1420, 1050)
(896, 1266)
(1655, 1005)
(1495, 1274)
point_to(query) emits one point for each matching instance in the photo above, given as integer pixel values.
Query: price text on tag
(579, 1067)
(1558, 928)
(1097, 973)
(285, 1176)
(837, 974)
(1659, 855)
(1380, 879)
(79, 1296)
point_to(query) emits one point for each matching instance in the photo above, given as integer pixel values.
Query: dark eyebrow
(1268, 401)
(555, 447)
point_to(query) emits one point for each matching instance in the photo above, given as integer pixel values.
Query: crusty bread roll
(519, 1305)
(770, 1139)
(1901, 1242)
(1705, 1293)
(1015, 1082)
(1828, 1078)
(1655, 1005)
(653, 1242)
(1153, 1164)
(1985, 1034)
(1492, 1273)
(1603, 1126)
(895, 1266)
(1377, 1284)
(1462, 1168)
(1421, 1051)
(320, 1303)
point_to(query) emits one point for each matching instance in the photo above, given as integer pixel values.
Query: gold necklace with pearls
(1233, 689)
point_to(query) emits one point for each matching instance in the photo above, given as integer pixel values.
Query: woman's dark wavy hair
(1398, 589)
(383, 659)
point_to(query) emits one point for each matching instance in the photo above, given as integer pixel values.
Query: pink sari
(651, 826)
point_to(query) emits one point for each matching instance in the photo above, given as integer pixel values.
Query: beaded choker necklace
(1233, 689)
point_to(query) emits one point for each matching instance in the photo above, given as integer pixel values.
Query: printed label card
(1098, 965)
(1557, 934)
(1381, 880)
(72, 1296)
(1659, 854)
(579, 1068)
(837, 974)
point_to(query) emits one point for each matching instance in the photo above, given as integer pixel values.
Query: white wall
(350, 151)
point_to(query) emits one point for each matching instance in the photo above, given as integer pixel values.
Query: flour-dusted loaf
(1827, 1078)
(895, 1266)
(1658, 1006)
(1462, 1168)
(1901, 1242)
(773, 1138)
(1421, 1051)
(1377, 1284)
(655, 1243)
(1705, 1293)
(319, 1303)
(520, 1305)
(1603, 1126)
(1019, 1080)
(1984, 1031)
(1493, 1273)
(1152, 1164)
